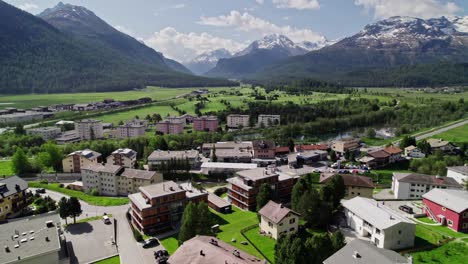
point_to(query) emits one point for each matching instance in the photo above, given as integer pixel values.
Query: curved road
(130, 251)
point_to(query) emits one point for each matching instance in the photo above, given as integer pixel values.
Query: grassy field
(444, 230)
(32, 100)
(170, 243)
(112, 260)
(451, 253)
(114, 118)
(459, 134)
(412, 95)
(5, 168)
(265, 244)
(92, 200)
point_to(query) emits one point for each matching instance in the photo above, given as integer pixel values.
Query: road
(130, 251)
(440, 130)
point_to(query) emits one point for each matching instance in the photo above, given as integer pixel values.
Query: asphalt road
(440, 130)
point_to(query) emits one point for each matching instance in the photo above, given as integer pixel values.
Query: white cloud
(184, 47)
(28, 7)
(297, 4)
(178, 6)
(260, 2)
(248, 23)
(413, 8)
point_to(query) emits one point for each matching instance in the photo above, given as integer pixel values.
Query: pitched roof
(367, 253)
(210, 250)
(138, 174)
(281, 149)
(437, 143)
(349, 180)
(426, 179)
(86, 153)
(12, 185)
(161, 189)
(218, 201)
(376, 214)
(409, 148)
(275, 212)
(108, 168)
(379, 154)
(460, 169)
(455, 200)
(129, 153)
(393, 150)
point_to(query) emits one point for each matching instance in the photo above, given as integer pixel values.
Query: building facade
(46, 133)
(74, 161)
(123, 157)
(237, 121)
(89, 129)
(414, 152)
(13, 196)
(168, 127)
(159, 157)
(205, 123)
(268, 120)
(159, 207)
(384, 227)
(356, 185)
(263, 149)
(448, 207)
(344, 145)
(130, 131)
(413, 185)
(277, 220)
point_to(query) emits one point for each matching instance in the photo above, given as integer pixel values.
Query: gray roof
(228, 145)
(374, 212)
(8, 186)
(138, 174)
(455, 200)
(213, 253)
(168, 155)
(129, 153)
(426, 179)
(237, 153)
(34, 231)
(460, 169)
(161, 189)
(366, 254)
(275, 212)
(218, 201)
(108, 168)
(86, 153)
(228, 165)
(258, 173)
(437, 143)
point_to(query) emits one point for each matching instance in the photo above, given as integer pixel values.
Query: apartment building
(263, 149)
(277, 220)
(384, 227)
(74, 161)
(345, 144)
(115, 180)
(13, 196)
(237, 121)
(268, 120)
(46, 133)
(159, 207)
(123, 157)
(170, 127)
(356, 185)
(205, 123)
(448, 207)
(414, 185)
(243, 189)
(232, 152)
(159, 157)
(130, 131)
(21, 117)
(89, 129)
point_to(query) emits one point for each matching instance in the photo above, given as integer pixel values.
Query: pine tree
(75, 208)
(204, 220)
(264, 195)
(189, 223)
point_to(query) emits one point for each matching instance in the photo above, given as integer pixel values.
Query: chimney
(281, 205)
(356, 255)
(7, 249)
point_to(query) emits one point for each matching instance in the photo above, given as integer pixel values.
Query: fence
(256, 248)
(52, 177)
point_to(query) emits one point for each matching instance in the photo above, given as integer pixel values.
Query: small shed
(218, 204)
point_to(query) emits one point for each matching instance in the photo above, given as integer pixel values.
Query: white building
(268, 120)
(89, 129)
(277, 220)
(414, 152)
(47, 133)
(383, 226)
(413, 185)
(237, 121)
(123, 157)
(21, 117)
(459, 173)
(159, 157)
(130, 131)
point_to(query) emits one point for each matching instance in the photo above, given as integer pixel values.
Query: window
(292, 220)
(465, 225)
(376, 241)
(377, 231)
(450, 222)
(291, 229)
(398, 242)
(443, 208)
(465, 215)
(399, 232)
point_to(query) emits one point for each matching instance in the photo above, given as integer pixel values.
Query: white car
(106, 220)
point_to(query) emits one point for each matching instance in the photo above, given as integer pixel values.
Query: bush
(44, 182)
(93, 192)
(138, 237)
(220, 191)
(61, 185)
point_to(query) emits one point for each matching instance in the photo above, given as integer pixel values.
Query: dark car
(41, 190)
(151, 242)
(406, 209)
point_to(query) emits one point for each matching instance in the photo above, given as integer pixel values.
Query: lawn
(114, 118)
(451, 253)
(459, 134)
(32, 100)
(265, 244)
(5, 168)
(112, 260)
(444, 230)
(92, 200)
(170, 243)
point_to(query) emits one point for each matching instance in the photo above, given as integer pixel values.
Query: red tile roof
(311, 147)
(281, 149)
(393, 150)
(379, 154)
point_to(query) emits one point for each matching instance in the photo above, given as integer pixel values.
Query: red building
(448, 207)
(263, 149)
(205, 123)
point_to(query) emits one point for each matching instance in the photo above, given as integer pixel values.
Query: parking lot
(90, 241)
(394, 205)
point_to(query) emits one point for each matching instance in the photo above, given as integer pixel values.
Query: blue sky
(181, 29)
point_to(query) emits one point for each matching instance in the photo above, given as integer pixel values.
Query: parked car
(106, 220)
(151, 242)
(41, 190)
(406, 209)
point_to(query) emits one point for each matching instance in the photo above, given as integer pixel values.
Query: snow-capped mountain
(274, 42)
(207, 61)
(460, 23)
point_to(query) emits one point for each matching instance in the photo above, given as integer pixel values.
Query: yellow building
(356, 185)
(12, 196)
(78, 159)
(277, 220)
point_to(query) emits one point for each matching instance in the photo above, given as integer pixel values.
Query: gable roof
(455, 200)
(367, 254)
(426, 179)
(139, 174)
(375, 213)
(8, 186)
(129, 153)
(349, 180)
(379, 154)
(392, 150)
(86, 153)
(275, 212)
(108, 168)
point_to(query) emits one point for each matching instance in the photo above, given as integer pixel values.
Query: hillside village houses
(448, 207)
(383, 226)
(74, 161)
(414, 185)
(268, 120)
(115, 180)
(459, 173)
(238, 121)
(123, 157)
(159, 157)
(440, 144)
(356, 185)
(277, 220)
(13, 196)
(414, 152)
(382, 157)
